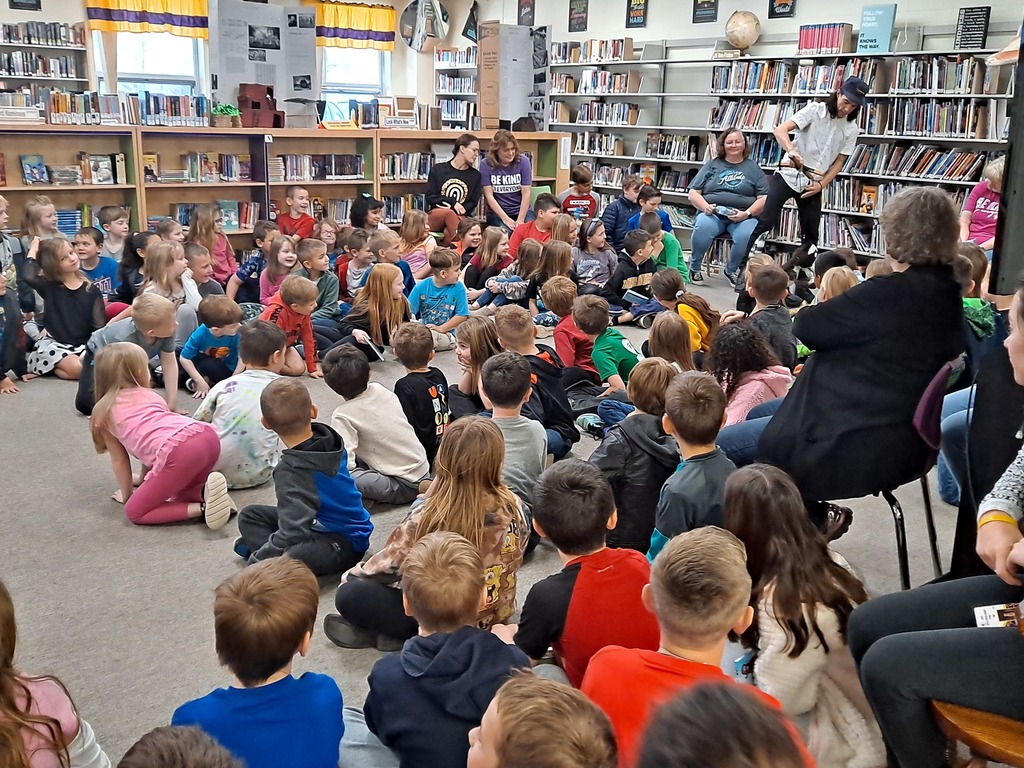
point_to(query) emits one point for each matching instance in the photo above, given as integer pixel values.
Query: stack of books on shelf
(338, 209)
(608, 175)
(938, 75)
(204, 168)
(599, 81)
(395, 206)
(457, 110)
(89, 168)
(752, 77)
(43, 33)
(679, 217)
(604, 113)
(275, 168)
(334, 167)
(759, 114)
(449, 84)
(91, 108)
(364, 114)
(825, 78)
(70, 220)
(666, 146)
(26, 64)
(589, 142)
(238, 214)
(923, 161)
(157, 109)
(676, 181)
(406, 166)
(824, 39)
(455, 57)
(605, 51)
(562, 83)
(959, 118)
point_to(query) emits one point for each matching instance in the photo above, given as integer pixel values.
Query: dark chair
(927, 422)
(987, 736)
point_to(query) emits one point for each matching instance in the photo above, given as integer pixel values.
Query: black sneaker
(646, 321)
(347, 635)
(697, 277)
(838, 521)
(730, 276)
(190, 385)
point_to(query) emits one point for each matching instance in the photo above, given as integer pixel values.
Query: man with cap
(824, 134)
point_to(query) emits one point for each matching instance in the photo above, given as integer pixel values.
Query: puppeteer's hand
(796, 159)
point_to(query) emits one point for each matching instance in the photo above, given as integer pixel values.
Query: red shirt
(301, 225)
(522, 232)
(573, 346)
(628, 684)
(579, 205)
(297, 328)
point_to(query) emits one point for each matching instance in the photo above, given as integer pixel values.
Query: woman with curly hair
(746, 368)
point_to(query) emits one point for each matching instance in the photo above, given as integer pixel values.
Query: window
(155, 61)
(353, 73)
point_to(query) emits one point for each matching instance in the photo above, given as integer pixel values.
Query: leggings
(375, 607)
(178, 481)
(85, 399)
(808, 211)
(912, 647)
(476, 278)
(446, 220)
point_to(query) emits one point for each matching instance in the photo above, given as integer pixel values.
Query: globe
(742, 29)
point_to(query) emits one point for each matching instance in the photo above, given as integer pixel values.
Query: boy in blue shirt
(262, 617)
(649, 199)
(244, 285)
(618, 213)
(101, 270)
(440, 301)
(211, 353)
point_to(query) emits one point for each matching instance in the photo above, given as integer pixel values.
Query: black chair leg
(930, 522)
(901, 538)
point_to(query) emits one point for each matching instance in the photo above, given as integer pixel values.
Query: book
(120, 169)
(868, 199)
(648, 172)
(876, 25)
(151, 168)
(33, 169)
(3, 170)
(229, 210)
(101, 169)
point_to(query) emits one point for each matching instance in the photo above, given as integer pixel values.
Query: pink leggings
(167, 491)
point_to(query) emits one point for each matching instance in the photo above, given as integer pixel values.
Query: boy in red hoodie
(289, 310)
(572, 345)
(296, 222)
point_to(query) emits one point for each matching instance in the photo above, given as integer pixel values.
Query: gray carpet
(122, 613)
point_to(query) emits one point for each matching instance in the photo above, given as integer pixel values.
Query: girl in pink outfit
(746, 368)
(39, 726)
(177, 454)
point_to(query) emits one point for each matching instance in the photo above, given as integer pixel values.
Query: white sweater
(842, 732)
(376, 432)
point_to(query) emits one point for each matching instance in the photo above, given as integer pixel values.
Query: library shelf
(12, 76)
(57, 188)
(632, 159)
(321, 183)
(658, 94)
(42, 46)
(201, 184)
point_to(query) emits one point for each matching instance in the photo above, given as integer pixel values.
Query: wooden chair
(987, 736)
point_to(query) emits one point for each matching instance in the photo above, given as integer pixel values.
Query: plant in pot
(226, 116)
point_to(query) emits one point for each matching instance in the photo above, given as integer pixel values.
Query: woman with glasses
(508, 181)
(453, 188)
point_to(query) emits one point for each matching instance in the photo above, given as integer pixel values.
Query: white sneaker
(217, 504)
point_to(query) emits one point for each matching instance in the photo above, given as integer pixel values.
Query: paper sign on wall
(876, 24)
(636, 14)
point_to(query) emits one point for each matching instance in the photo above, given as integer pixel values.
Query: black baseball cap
(855, 90)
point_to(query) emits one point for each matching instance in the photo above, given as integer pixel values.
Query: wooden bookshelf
(456, 86)
(59, 55)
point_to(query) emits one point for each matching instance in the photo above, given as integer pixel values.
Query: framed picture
(25, 5)
(781, 9)
(705, 11)
(526, 15)
(636, 14)
(579, 10)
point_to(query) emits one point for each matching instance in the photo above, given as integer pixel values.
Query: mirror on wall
(423, 23)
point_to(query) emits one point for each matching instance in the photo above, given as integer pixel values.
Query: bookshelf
(42, 56)
(455, 86)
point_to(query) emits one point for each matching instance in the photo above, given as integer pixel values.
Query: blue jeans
(952, 464)
(707, 227)
(611, 412)
(557, 446)
(739, 442)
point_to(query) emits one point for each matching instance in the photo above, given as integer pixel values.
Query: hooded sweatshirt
(315, 493)
(549, 404)
(298, 328)
(636, 457)
(757, 387)
(423, 702)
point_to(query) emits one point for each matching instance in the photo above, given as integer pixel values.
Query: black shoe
(838, 520)
(697, 277)
(346, 635)
(646, 321)
(730, 276)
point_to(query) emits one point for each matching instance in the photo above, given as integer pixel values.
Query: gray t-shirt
(736, 185)
(125, 330)
(526, 449)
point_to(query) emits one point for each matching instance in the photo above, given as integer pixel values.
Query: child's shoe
(241, 549)
(592, 424)
(646, 321)
(697, 277)
(217, 504)
(346, 635)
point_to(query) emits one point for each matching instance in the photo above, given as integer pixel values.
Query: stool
(717, 256)
(987, 736)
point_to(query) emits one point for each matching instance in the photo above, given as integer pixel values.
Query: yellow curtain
(186, 18)
(353, 25)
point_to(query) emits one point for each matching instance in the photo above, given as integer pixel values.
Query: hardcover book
(33, 169)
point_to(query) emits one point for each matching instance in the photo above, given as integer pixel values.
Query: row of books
(836, 231)
(43, 33)
(765, 150)
(456, 109)
(26, 64)
(751, 77)
(455, 57)
(448, 84)
(395, 206)
(617, 113)
(812, 78)
(70, 220)
(333, 167)
(402, 166)
(938, 74)
(676, 181)
(960, 118)
(238, 214)
(920, 161)
(562, 83)
(603, 81)
(680, 217)
(760, 114)
(592, 51)
(856, 196)
(598, 143)
(824, 38)
(666, 146)
(88, 169)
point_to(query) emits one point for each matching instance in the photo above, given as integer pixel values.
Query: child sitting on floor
(769, 286)
(319, 518)
(248, 450)
(244, 285)
(100, 270)
(177, 454)
(211, 353)
(440, 301)
(417, 243)
(385, 459)
(573, 346)
(289, 309)
(476, 342)
(511, 284)
(468, 498)
(423, 702)
(281, 261)
(694, 495)
(200, 264)
(423, 391)
(613, 355)
(594, 601)
(746, 368)
(12, 340)
(262, 617)
(633, 272)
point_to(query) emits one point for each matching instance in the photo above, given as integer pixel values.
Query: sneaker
(615, 310)
(838, 521)
(241, 549)
(646, 321)
(697, 277)
(156, 375)
(190, 385)
(346, 635)
(217, 504)
(730, 276)
(592, 424)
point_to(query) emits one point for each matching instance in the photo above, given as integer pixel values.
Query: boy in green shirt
(613, 355)
(667, 250)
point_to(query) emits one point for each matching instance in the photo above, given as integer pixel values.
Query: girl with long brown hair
(467, 497)
(378, 310)
(475, 342)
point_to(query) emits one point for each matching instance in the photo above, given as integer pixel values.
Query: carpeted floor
(122, 614)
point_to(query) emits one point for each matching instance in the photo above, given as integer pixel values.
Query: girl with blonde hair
(206, 227)
(416, 243)
(378, 310)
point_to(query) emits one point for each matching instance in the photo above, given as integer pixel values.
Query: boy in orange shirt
(290, 310)
(296, 222)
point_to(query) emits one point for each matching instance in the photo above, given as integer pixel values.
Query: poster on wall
(526, 15)
(579, 10)
(636, 14)
(25, 5)
(781, 9)
(469, 30)
(705, 11)
(539, 96)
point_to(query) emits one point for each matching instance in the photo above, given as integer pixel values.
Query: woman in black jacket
(453, 188)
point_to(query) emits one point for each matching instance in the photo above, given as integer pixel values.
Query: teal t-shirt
(613, 354)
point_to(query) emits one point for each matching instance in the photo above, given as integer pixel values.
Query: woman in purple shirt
(507, 180)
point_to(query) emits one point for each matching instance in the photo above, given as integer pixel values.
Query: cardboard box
(505, 74)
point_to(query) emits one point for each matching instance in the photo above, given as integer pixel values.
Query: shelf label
(268, 138)
(401, 121)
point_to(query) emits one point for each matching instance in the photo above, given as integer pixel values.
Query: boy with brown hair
(545, 208)
(113, 220)
(211, 353)
(667, 250)
(384, 247)
(633, 271)
(424, 701)
(290, 310)
(614, 356)
(319, 518)
(769, 286)
(548, 404)
(201, 264)
(263, 616)
(537, 723)
(296, 222)
(356, 263)
(618, 213)
(571, 344)
(637, 456)
(440, 301)
(423, 391)
(594, 601)
(244, 285)
(579, 200)
(316, 265)
(694, 495)
(649, 198)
